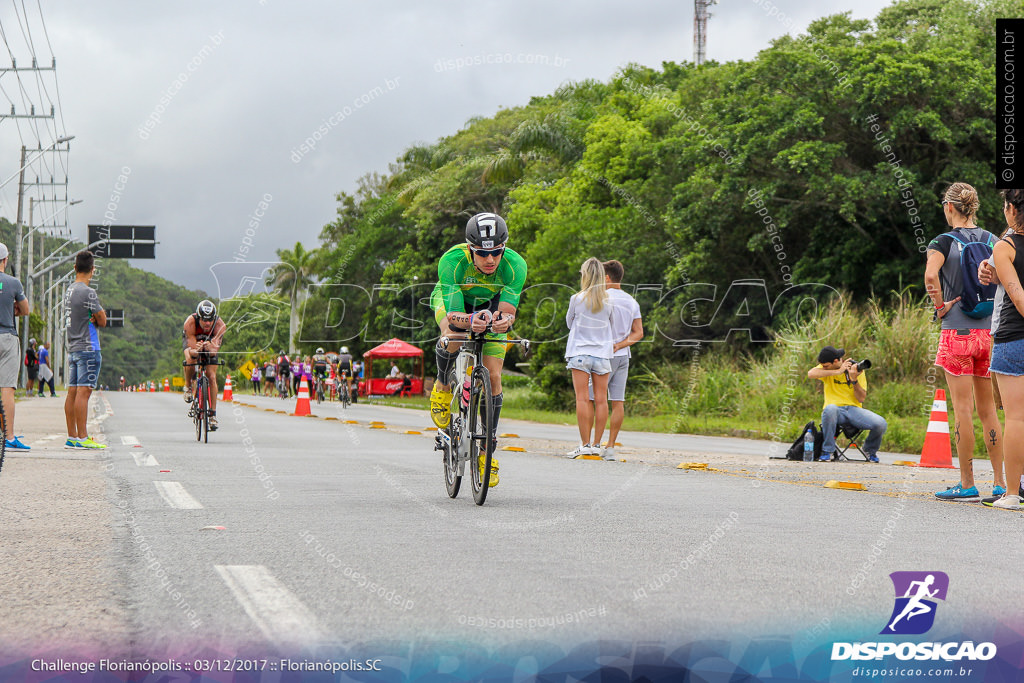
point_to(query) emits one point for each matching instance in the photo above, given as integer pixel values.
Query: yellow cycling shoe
(440, 406)
(494, 470)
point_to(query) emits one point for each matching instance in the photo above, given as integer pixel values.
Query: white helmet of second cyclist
(344, 349)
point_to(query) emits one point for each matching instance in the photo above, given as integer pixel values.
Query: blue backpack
(975, 298)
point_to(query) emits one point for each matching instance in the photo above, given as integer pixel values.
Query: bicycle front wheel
(198, 409)
(481, 422)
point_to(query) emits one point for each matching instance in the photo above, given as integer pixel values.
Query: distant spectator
(965, 345)
(269, 378)
(298, 369)
(45, 371)
(1008, 351)
(257, 379)
(85, 315)
(627, 329)
(31, 367)
(395, 372)
(588, 354)
(12, 303)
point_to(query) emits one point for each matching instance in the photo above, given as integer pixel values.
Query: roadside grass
(768, 395)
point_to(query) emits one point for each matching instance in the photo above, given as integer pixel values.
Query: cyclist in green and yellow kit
(478, 284)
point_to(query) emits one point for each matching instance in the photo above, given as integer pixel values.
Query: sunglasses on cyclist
(484, 253)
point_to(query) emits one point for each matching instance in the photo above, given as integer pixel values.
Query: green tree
(290, 278)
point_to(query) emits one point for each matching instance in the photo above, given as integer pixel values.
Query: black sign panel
(123, 241)
(115, 317)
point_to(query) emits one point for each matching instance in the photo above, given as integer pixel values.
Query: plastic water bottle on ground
(808, 446)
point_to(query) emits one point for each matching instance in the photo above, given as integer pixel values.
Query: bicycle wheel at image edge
(481, 419)
(452, 478)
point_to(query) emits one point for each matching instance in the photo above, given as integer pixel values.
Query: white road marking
(176, 496)
(129, 441)
(281, 616)
(143, 459)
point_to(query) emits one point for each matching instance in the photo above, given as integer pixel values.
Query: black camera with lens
(863, 365)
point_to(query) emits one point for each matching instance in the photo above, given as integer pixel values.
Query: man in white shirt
(627, 329)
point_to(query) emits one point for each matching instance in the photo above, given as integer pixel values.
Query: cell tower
(700, 29)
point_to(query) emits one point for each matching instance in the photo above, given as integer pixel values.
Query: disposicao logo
(916, 595)
(916, 601)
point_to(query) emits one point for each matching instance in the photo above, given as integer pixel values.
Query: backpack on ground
(975, 298)
(796, 451)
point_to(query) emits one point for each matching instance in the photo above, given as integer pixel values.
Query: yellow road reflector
(283, 412)
(351, 422)
(376, 426)
(692, 466)
(515, 449)
(906, 463)
(412, 431)
(848, 485)
(330, 418)
(509, 436)
(589, 457)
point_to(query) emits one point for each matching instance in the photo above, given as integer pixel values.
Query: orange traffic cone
(302, 401)
(936, 452)
(152, 386)
(228, 396)
(167, 384)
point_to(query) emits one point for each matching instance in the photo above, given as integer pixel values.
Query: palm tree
(290, 278)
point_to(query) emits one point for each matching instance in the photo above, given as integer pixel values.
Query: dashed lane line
(175, 495)
(281, 616)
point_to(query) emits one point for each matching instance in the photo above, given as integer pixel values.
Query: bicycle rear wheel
(481, 420)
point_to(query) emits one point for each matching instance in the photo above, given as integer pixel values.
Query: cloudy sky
(204, 107)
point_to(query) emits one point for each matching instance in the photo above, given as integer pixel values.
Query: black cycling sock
(444, 363)
(496, 406)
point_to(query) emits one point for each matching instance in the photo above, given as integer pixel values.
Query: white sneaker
(1009, 502)
(582, 449)
(608, 454)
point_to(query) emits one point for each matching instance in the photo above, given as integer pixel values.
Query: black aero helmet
(486, 230)
(206, 310)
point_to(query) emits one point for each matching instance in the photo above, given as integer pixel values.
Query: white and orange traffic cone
(302, 401)
(936, 451)
(167, 384)
(228, 395)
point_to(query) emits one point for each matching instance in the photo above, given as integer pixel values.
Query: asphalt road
(285, 534)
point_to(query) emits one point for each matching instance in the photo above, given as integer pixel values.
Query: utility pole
(700, 29)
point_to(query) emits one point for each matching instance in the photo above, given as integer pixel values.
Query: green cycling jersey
(461, 286)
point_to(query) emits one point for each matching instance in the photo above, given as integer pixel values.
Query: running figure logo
(916, 595)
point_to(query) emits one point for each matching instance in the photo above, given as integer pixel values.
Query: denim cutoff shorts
(592, 365)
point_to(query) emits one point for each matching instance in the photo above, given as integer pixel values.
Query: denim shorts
(84, 368)
(1008, 358)
(592, 365)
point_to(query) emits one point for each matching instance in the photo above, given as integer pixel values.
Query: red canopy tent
(391, 349)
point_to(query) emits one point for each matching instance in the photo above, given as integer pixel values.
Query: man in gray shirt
(12, 303)
(84, 316)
